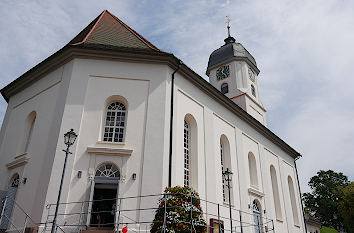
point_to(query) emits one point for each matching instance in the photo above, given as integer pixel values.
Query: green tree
(182, 206)
(345, 197)
(322, 201)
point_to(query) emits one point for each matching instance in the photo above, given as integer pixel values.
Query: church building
(145, 121)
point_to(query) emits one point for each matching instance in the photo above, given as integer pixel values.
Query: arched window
(257, 217)
(115, 122)
(224, 88)
(253, 90)
(190, 151)
(29, 125)
(186, 153)
(225, 164)
(293, 200)
(15, 181)
(276, 196)
(108, 170)
(222, 171)
(252, 169)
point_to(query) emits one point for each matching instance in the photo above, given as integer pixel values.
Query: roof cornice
(68, 53)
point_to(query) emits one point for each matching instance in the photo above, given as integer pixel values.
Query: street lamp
(69, 139)
(227, 176)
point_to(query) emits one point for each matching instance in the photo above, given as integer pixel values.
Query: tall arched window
(253, 89)
(186, 153)
(190, 151)
(222, 171)
(224, 88)
(29, 125)
(225, 164)
(115, 122)
(276, 196)
(293, 200)
(253, 170)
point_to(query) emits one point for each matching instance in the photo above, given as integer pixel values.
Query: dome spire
(229, 39)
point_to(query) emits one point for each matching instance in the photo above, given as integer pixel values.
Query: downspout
(171, 123)
(298, 184)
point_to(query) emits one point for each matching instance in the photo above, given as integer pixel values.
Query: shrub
(182, 206)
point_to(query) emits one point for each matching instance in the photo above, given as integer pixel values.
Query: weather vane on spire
(228, 24)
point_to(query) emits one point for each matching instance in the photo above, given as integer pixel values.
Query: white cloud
(304, 50)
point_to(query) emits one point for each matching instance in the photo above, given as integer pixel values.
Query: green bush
(182, 205)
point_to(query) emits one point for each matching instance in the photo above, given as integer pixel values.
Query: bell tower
(233, 71)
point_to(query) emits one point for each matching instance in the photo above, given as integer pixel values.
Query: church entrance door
(9, 204)
(257, 218)
(104, 205)
(103, 197)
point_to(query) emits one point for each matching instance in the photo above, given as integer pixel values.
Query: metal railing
(138, 214)
(14, 223)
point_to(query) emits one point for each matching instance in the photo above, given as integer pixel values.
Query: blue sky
(304, 49)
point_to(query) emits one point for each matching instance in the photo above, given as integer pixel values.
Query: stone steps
(98, 230)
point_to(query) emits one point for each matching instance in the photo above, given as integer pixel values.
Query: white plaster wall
(41, 97)
(92, 82)
(187, 105)
(247, 139)
(272, 159)
(78, 102)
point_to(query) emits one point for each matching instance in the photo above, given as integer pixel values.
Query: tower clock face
(222, 72)
(251, 75)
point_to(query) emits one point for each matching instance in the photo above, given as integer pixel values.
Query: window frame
(104, 121)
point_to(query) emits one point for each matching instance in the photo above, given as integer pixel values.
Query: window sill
(255, 192)
(111, 143)
(109, 151)
(21, 155)
(20, 160)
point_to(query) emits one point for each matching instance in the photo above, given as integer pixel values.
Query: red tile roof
(108, 30)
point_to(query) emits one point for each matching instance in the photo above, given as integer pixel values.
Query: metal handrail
(241, 224)
(156, 195)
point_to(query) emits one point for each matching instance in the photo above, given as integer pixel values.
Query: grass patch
(328, 230)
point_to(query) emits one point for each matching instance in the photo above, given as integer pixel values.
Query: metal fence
(13, 218)
(137, 214)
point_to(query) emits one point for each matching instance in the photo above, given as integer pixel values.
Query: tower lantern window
(224, 88)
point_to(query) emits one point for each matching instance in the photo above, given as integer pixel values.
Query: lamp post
(69, 139)
(227, 176)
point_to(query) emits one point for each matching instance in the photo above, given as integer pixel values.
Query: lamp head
(70, 137)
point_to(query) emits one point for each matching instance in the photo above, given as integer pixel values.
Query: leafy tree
(182, 205)
(345, 196)
(322, 201)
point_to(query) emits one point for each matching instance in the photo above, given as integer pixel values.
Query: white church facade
(145, 121)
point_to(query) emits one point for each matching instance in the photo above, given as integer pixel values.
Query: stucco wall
(44, 97)
(78, 100)
(247, 140)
